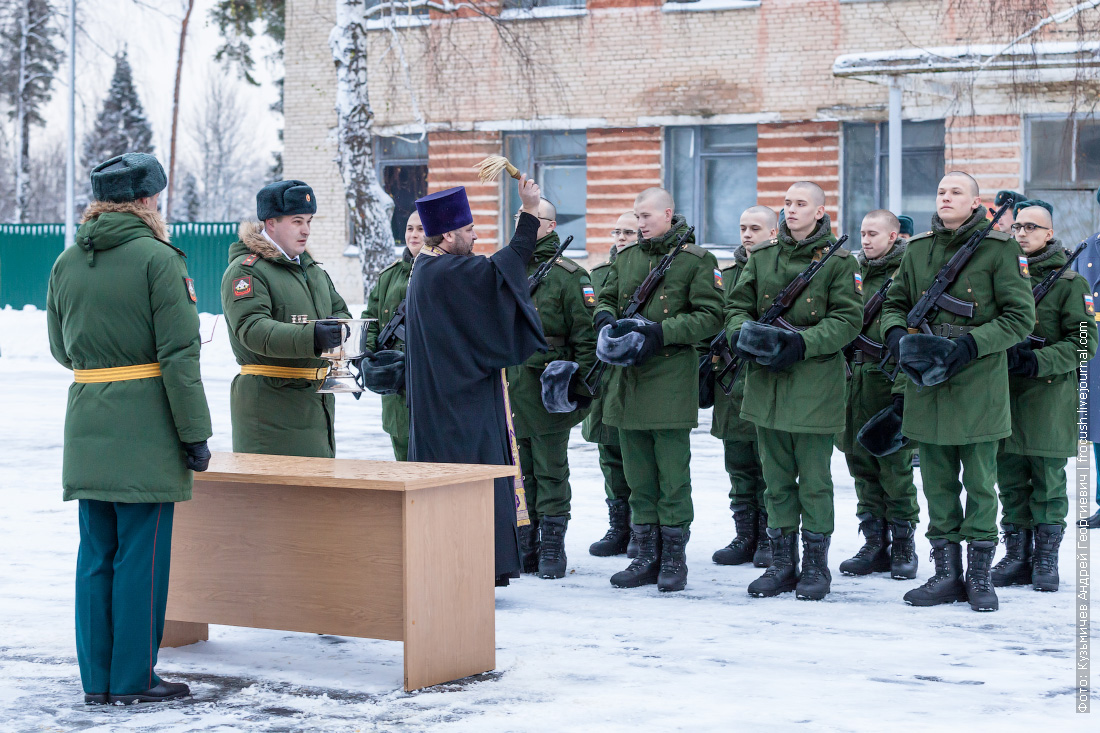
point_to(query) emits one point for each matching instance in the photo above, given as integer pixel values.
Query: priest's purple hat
(444, 211)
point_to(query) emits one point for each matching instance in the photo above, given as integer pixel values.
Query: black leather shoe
(161, 693)
(95, 698)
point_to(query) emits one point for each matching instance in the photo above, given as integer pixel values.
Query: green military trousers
(400, 446)
(799, 480)
(746, 475)
(614, 480)
(1033, 490)
(884, 486)
(545, 463)
(121, 591)
(657, 468)
(940, 468)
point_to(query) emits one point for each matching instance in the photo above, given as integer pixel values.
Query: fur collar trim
(251, 234)
(152, 219)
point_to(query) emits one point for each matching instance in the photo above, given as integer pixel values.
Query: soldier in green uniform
(885, 493)
(382, 304)
(1042, 382)
(654, 403)
(956, 404)
(121, 315)
(617, 540)
(750, 516)
(795, 393)
(564, 300)
(271, 281)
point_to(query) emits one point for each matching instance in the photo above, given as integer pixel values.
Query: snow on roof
(939, 59)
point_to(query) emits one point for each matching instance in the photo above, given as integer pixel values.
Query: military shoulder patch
(922, 235)
(695, 250)
(1090, 306)
(1069, 275)
(567, 264)
(250, 260)
(1022, 259)
(764, 245)
(998, 235)
(589, 294)
(717, 278)
(843, 252)
(628, 245)
(859, 282)
(242, 287)
(190, 285)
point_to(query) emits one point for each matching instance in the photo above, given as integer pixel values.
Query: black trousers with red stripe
(121, 590)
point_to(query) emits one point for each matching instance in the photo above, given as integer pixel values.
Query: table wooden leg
(182, 633)
(450, 629)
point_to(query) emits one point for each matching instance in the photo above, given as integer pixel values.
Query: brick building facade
(726, 102)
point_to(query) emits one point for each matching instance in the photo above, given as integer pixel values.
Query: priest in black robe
(467, 318)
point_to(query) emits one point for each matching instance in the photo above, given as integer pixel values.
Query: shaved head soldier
(957, 402)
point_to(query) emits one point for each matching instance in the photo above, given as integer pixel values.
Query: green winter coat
(726, 422)
(868, 389)
(260, 294)
(382, 303)
(972, 406)
(1044, 408)
(121, 297)
(663, 393)
(594, 429)
(806, 398)
(565, 301)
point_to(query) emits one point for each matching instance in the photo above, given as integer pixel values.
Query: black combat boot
(782, 575)
(529, 546)
(632, 545)
(979, 583)
(644, 568)
(618, 534)
(903, 550)
(1015, 567)
(946, 586)
(673, 574)
(874, 556)
(815, 581)
(161, 693)
(762, 558)
(1048, 537)
(552, 547)
(741, 549)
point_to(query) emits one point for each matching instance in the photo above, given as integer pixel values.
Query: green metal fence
(28, 251)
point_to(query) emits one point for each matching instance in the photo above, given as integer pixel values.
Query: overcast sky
(150, 31)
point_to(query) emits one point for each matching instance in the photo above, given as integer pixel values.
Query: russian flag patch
(859, 283)
(718, 278)
(589, 295)
(1090, 307)
(1023, 266)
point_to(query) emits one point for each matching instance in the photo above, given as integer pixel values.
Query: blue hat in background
(128, 177)
(285, 198)
(1032, 202)
(1009, 197)
(444, 211)
(906, 228)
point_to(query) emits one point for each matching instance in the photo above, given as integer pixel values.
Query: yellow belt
(264, 370)
(116, 374)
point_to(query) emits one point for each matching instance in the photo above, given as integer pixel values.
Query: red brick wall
(987, 147)
(798, 151)
(621, 163)
(451, 160)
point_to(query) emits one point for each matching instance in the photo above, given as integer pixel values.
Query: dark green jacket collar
(546, 247)
(662, 244)
(821, 234)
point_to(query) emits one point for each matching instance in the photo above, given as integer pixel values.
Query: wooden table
(377, 549)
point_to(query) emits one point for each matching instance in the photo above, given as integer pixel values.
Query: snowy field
(572, 654)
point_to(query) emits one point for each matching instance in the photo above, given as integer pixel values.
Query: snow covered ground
(573, 654)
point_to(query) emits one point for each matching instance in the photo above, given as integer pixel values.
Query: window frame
(381, 163)
(507, 224)
(1074, 182)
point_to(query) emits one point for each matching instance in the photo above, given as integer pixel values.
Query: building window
(711, 172)
(1063, 169)
(867, 171)
(403, 172)
(532, 4)
(558, 162)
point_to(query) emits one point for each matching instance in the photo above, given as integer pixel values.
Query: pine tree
(121, 126)
(190, 208)
(29, 59)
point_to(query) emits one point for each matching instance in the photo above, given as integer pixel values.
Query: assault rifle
(936, 298)
(774, 315)
(871, 309)
(637, 302)
(394, 330)
(540, 274)
(1040, 291)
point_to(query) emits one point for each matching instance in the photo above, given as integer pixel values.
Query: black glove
(601, 319)
(897, 401)
(654, 340)
(966, 349)
(1022, 361)
(327, 336)
(792, 348)
(198, 456)
(893, 338)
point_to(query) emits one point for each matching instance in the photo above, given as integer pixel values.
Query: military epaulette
(695, 250)
(765, 245)
(602, 265)
(922, 235)
(628, 246)
(1069, 275)
(843, 252)
(734, 265)
(567, 264)
(392, 265)
(998, 235)
(251, 260)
